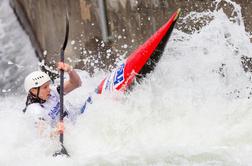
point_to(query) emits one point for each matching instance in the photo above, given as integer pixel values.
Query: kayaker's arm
(74, 79)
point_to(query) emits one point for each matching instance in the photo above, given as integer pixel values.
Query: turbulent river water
(194, 109)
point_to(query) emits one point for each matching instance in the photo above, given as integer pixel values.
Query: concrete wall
(130, 23)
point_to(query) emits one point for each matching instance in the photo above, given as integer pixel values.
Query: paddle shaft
(61, 94)
(62, 52)
(63, 150)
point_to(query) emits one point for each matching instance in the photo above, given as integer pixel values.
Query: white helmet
(35, 79)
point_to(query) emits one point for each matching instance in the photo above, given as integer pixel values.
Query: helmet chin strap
(32, 98)
(37, 96)
(38, 93)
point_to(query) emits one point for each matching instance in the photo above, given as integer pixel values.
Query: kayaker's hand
(59, 130)
(60, 127)
(64, 66)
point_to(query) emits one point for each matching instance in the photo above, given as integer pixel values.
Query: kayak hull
(141, 62)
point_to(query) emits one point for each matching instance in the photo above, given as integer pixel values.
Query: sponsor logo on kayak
(119, 76)
(115, 79)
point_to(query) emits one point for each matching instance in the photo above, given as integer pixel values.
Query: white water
(15, 50)
(185, 113)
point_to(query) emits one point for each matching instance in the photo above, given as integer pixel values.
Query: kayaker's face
(44, 91)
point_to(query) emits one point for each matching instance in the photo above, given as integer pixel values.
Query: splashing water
(194, 109)
(15, 50)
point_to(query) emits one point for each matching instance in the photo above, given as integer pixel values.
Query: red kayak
(142, 61)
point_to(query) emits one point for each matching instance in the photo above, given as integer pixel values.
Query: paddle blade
(62, 152)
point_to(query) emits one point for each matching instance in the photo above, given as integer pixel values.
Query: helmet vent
(37, 78)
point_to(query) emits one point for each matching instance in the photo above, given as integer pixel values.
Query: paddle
(63, 150)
